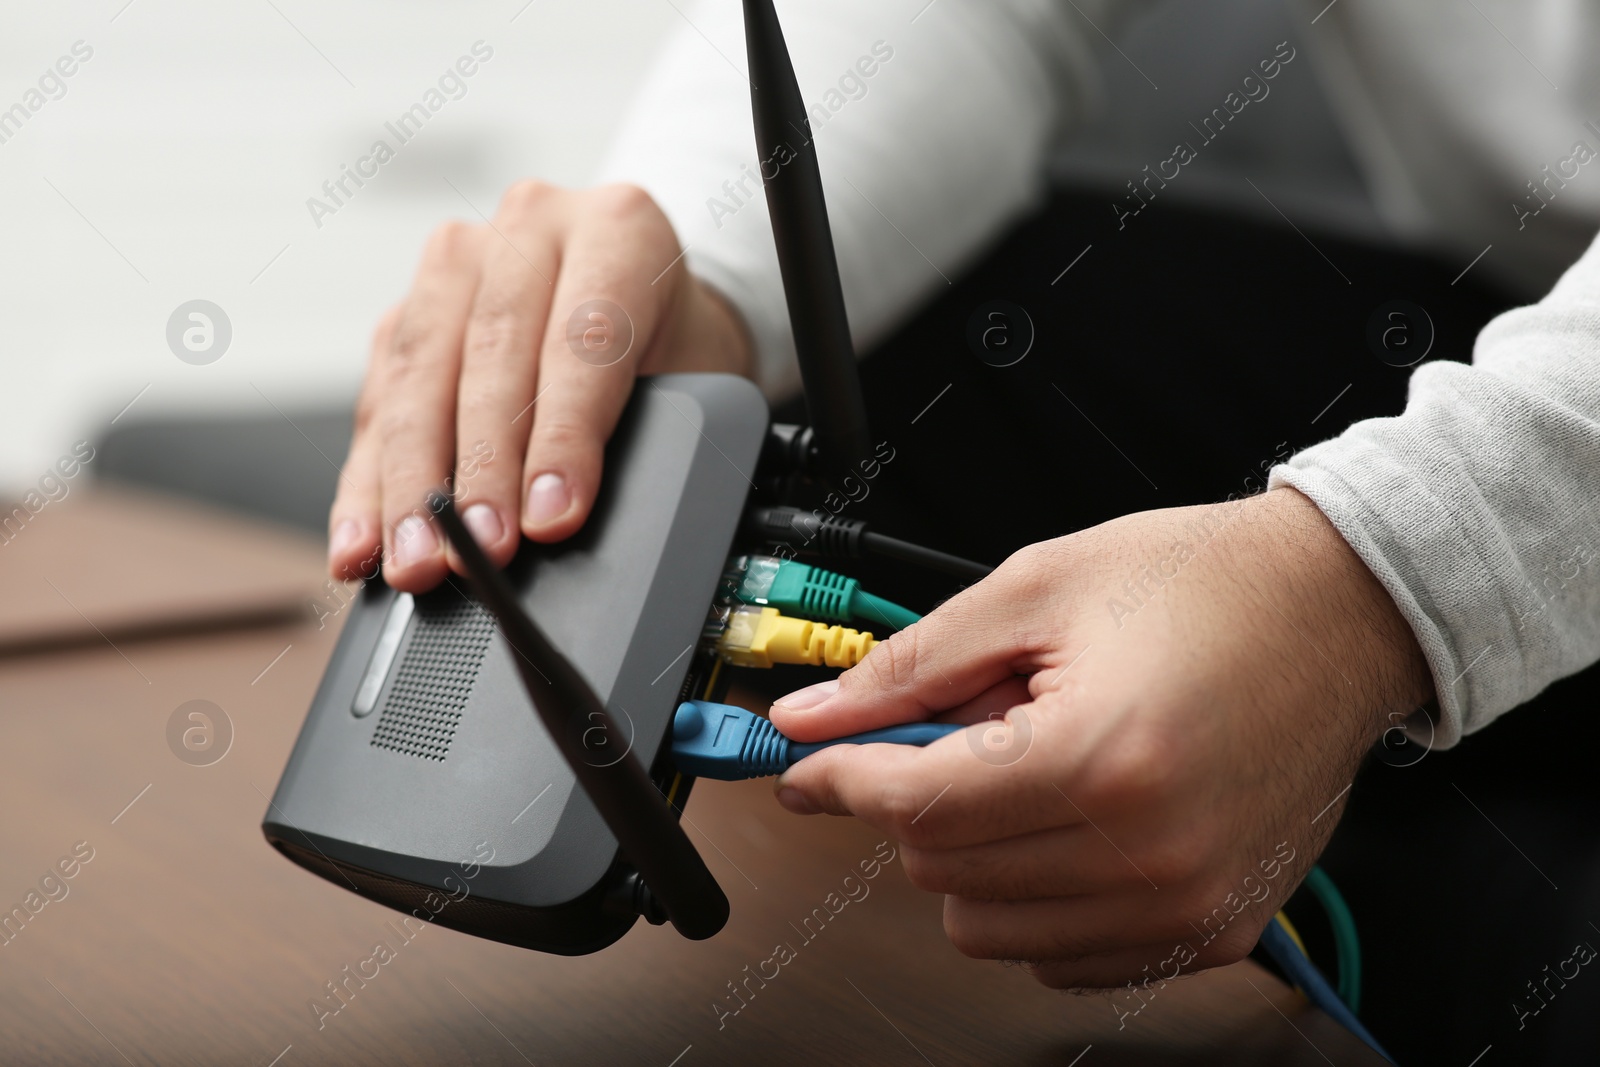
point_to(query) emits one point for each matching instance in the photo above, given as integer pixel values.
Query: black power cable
(931, 558)
(840, 538)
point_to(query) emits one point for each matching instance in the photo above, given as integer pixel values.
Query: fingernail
(414, 541)
(345, 536)
(484, 523)
(548, 499)
(809, 697)
(795, 801)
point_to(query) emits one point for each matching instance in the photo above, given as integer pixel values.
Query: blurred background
(178, 164)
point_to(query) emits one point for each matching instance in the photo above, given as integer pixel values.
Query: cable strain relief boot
(838, 646)
(841, 538)
(827, 595)
(765, 751)
(807, 531)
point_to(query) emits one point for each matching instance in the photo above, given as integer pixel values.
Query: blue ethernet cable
(1305, 975)
(730, 744)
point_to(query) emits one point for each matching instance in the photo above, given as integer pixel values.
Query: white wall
(191, 141)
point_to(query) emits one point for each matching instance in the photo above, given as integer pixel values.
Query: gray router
(488, 756)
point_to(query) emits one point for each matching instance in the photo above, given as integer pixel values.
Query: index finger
(961, 790)
(977, 639)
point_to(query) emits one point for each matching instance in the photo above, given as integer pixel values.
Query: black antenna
(788, 159)
(628, 801)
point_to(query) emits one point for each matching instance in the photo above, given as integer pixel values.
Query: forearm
(1475, 508)
(918, 172)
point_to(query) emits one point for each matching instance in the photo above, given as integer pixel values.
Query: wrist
(733, 344)
(1362, 642)
(706, 333)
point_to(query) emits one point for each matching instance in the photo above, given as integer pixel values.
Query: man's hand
(1186, 694)
(497, 316)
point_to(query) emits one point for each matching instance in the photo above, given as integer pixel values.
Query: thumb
(959, 651)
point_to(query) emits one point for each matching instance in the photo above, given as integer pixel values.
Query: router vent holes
(434, 675)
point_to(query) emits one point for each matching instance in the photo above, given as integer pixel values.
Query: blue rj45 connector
(730, 744)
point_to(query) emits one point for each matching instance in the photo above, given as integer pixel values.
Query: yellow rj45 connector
(760, 637)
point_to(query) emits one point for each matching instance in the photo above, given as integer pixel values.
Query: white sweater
(935, 121)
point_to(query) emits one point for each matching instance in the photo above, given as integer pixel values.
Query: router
(493, 757)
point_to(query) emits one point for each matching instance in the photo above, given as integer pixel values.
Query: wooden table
(187, 940)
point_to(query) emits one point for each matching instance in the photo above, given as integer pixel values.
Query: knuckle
(492, 327)
(384, 329)
(1177, 859)
(1202, 899)
(1143, 767)
(925, 870)
(1207, 905)
(624, 201)
(969, 934)
(1034, 571)
(480, 416)
(1234, 944)
(1022, 559)
(451, 244)
(527, 197)
(366, 416)
(412, 342)
(400, 427)
(562, 435)
(1074, 944)
(899, 807)
(891, 663)
(369, 399)
(1025, 561)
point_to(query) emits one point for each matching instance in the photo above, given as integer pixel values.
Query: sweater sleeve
(933, 123)
(1479, 507)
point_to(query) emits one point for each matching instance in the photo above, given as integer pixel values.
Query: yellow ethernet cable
(760, 637)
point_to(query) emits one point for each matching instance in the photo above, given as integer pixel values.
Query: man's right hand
(498, 316)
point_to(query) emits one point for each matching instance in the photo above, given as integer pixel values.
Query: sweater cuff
(750, 294)
(1358, 485)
